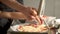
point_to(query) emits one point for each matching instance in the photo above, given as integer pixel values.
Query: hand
(30, 13)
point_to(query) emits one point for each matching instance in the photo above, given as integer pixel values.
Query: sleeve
(4, 22)
(20, 1)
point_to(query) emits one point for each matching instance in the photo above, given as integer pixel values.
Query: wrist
(24, 9)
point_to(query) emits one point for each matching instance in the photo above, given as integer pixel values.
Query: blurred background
(52, 7)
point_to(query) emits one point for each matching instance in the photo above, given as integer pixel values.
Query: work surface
(12, 32)
(15, 32)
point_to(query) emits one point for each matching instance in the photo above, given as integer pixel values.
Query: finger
(33, 12)
(38, 19)
(28, 16)
(34, 9)
(31, 19)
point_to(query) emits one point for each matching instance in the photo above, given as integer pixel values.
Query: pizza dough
(32, 28)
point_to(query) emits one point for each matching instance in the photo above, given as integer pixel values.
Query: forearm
(12, 15)
(5, 14)
(13, 4)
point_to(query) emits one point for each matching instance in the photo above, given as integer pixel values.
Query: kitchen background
(52, 7)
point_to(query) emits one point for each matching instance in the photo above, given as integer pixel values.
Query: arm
(13, 4)
(30, 13)
(12, 15)
(17, 6)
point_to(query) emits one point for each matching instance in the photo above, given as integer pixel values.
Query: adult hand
(30, 13)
